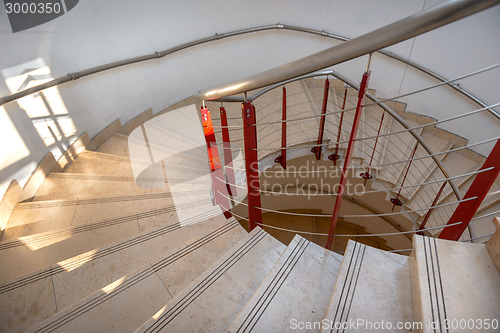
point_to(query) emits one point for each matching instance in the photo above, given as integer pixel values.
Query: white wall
(97, 32)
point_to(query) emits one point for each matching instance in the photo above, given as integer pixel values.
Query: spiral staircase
(129, 231)
(98, 248)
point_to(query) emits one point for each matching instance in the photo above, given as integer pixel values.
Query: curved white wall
(97, 32)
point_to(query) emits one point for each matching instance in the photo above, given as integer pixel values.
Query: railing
(270, 148)
(388, 35)
(365, 44)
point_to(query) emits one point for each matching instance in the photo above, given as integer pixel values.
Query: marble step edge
(73, 230)
(349, 271)
(421, 301)
(206, 279)
(436, 300)
(101, 155)
(288, 258)
(127, 281)
(89, 177)
(271, 285)
(101, 252)
(101, 200)
(351, 274)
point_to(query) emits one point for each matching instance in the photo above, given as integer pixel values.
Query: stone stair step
(424, 198)
(116, 145)
(399, 148)
(92, 162)
(372, 285)
(134, 298)
(297, 289)
(452, 280)
(423, 168)
(71, 280)
(236, 275)
(60, 186)
(35, 251)
(30, 218)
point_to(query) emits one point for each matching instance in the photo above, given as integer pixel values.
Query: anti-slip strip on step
(25, 240)
(272, 289)
(105, 252)
(202, 286)
(85, 177)
(348, 287)
(136, 278)
(75, 202)
(435, 284)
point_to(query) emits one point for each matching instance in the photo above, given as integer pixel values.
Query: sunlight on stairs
(126, 239)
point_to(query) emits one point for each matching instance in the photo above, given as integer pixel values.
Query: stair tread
(32, 252)
(32, 219)
(80, 186)
(134, 298)
(454, 280)
(297, 288)
(91, 162)
(81, 275)
(152, 213)
(116, 145)
(236, 275)
(372, 285)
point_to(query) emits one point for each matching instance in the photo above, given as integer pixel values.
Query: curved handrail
(278, 26)
(368, 43)
(391, 112)
(388, 35)
(400, 120)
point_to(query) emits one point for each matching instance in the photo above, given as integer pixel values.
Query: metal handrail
(161, 54)
(391, 112)
(388, 35)
(403, 123)
(388, 110)
(368, 43)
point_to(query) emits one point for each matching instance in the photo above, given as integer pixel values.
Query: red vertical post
(251, 164)
(395, 201)
(347, 159)
(282, 158)
(335, 157)
(479, 188)
(228, 156)
(317, 150)
(428, 214)
(367, 175)
(218, 184)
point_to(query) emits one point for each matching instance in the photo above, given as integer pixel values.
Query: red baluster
(335, 157)
(282, 158)
(347, 159)
(317, 150)
(251, 164)
(395, 201)
(367, 175)
(428, 214)
(228, 156)
(479, 188)
(218, 184)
